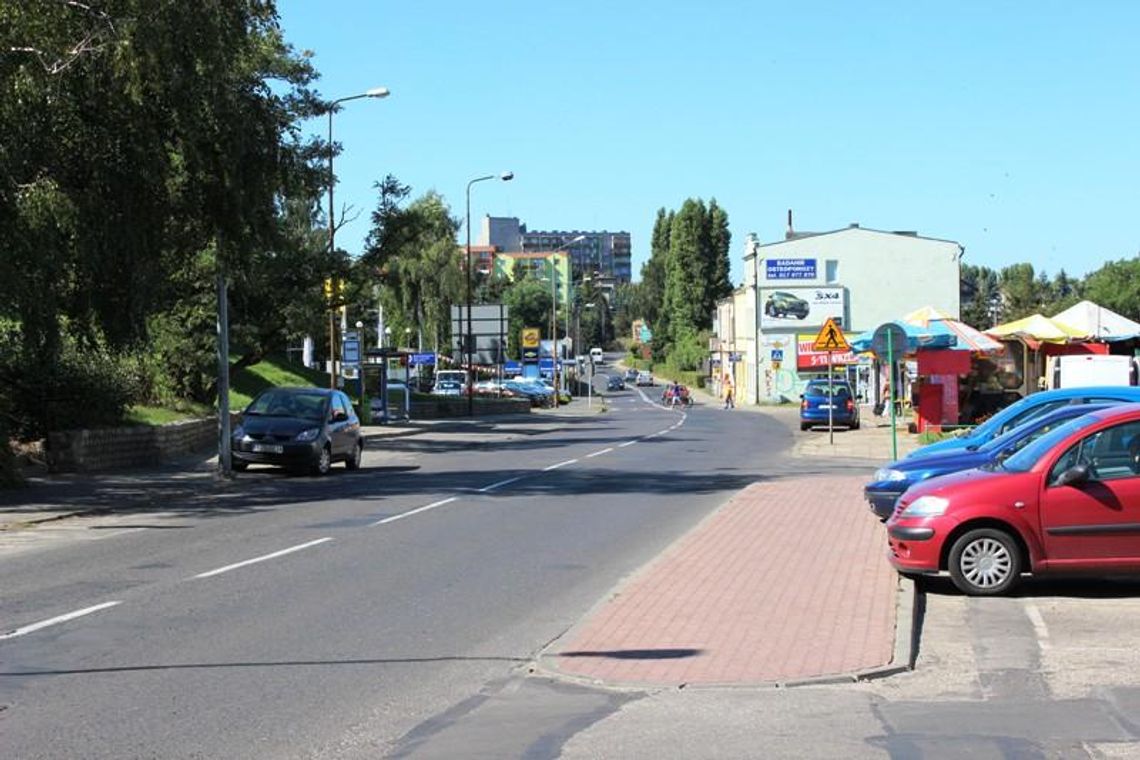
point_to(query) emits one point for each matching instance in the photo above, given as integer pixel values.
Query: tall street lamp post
(554, 307)
(376, 92)
(468, 339)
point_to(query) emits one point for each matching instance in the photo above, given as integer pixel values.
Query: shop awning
(966, 338)
(916, 337)
(1039, 328)
(1098, 322)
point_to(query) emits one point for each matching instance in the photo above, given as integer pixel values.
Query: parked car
(1027, 408)
(447, 388)
(1068, 502)
(822, 401)
(891, 481)
(781, 304)
(644, 378)
(299, 428)
(537, 393)
(615, 383)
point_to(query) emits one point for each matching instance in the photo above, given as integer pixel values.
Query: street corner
(786, 583)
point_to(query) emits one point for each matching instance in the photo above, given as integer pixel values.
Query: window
(1110, 454)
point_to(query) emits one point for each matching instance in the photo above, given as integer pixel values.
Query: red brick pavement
(787, 581)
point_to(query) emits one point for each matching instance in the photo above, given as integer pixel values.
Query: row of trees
(686, 274)
(990, 297)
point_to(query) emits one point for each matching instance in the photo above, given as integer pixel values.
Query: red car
(1068, 502)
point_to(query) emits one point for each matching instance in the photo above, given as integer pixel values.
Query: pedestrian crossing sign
(830, 338)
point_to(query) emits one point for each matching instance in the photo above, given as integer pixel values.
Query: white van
(596, 356)
(1086, 370)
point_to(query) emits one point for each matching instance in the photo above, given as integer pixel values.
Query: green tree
(687, 271)
(1116, 286)
(720, 245)
(980, 296)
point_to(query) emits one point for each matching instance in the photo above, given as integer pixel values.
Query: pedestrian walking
(729, 401)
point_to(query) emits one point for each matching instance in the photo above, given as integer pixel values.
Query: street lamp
(360, 363)
(468, 339)
(375, 92)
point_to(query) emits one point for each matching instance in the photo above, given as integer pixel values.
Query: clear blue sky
(1010, 127)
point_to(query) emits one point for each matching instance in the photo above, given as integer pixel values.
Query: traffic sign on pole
(830, 338)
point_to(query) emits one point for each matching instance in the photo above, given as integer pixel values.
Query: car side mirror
(801, 395)
(1074, 476)
(339, 416)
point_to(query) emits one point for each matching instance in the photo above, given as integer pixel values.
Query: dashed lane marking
(599, 453)
(57, 620)
(560, 464)
(415, 511)
(263, 558)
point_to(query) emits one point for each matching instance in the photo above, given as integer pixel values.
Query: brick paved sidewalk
(787, 581)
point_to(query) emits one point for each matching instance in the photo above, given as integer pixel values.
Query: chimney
(791, 233)
(853, 226)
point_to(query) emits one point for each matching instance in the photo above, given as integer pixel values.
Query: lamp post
(375, 92)
(554, 309)
(468, 339)
(360, 363)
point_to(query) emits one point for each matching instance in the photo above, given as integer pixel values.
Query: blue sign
(546, 364)
(350, 351)
(416, 360)
(777, 354)
(511, 367)
(790, 269)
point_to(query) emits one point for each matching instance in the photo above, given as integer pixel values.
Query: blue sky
(1010, 127)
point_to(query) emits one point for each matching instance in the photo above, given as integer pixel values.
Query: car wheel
(985, 562)
(353, 461)
(855, 425)
(238, 465)
(323, 462)
(805, 426)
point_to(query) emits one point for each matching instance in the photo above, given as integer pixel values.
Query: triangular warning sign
(830, 338)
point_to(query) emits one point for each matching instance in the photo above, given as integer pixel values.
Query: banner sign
(418, 360)
(801, 307)
(810, 359)
(789, 269)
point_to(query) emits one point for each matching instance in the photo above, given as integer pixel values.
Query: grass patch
(272, 372)
(141, 414)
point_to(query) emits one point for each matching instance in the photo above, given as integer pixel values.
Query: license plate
(268, 448)
(826, 406)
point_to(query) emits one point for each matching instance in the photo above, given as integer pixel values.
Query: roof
(1098, 321)
(894, 233)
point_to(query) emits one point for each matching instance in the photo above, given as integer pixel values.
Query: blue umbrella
(916, 338)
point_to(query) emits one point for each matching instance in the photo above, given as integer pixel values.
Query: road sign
(417, 360)
(777, 354)
(889, 341)
(531, 337)
(830, 338)
(511, 367)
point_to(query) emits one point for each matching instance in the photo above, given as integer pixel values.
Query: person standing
(729, 401)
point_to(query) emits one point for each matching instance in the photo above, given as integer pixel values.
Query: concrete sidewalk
(786, 583)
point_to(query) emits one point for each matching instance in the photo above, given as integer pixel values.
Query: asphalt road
(351, 616)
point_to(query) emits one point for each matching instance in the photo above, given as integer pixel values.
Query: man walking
(729, 402)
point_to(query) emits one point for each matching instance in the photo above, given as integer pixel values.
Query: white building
(859, 277)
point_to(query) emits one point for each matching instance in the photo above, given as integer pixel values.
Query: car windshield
(287, 403)
(1024, 460)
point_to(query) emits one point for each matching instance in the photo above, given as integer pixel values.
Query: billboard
(801, 307)
(789, 269)
(807, 358)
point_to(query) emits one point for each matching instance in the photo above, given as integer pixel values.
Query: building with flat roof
(609, 253)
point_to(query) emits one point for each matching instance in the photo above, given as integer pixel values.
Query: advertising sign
(789, 269)
(801, 307)
(421, 360)
(807, 358)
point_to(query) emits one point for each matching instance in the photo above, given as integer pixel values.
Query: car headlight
(309, 434)
(886, 473)
(926, 506)
(239, 432)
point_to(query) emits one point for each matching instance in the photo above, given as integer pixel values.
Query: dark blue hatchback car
(822, 401)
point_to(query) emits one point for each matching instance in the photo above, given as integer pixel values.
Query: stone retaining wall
(140, 446)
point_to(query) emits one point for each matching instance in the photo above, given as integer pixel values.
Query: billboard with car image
(801, 307)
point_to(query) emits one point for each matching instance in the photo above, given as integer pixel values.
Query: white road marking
(56, 620)
(599, 453)
(501, 483)
(415, 511)
(274, 555)
(1038, 624)
(560, 464)
(627, 443)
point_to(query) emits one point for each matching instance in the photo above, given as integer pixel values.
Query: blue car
(821, 401)
(892, 481)
(1026, 409)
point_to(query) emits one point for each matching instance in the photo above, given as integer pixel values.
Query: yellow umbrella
(1040, 328)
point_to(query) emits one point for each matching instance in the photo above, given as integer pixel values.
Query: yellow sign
(530, 337)
(830, 338)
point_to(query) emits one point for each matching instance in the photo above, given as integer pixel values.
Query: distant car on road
(822, 401)
(630, 375)
(644, 378)
(447, 388)
(298, 428)
(615, 383)
(781, 304)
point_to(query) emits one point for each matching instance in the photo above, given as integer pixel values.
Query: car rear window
(823, 390)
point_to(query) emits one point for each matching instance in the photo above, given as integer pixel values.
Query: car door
(1096, 522)
(338, 423)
